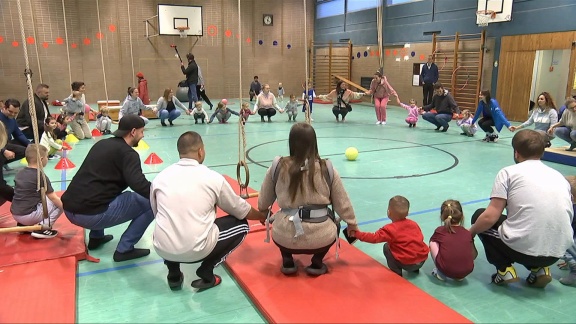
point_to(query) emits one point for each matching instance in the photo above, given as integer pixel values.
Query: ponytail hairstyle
(451, 214)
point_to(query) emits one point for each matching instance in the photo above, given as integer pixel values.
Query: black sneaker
(134, 254)
(486, 139)
(175, 283)
(262, 119)
(171, 124)
(494, 138)
(44, 234)
(94, 243)
(444, 129)
(163, 123)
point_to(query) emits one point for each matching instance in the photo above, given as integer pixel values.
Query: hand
(9, 154)
(352, 229)
(398, 101)
(155, 110)
(551, 130)
(187, 112)
(513, 128)
(181, 63)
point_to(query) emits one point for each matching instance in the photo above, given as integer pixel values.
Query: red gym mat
(39, 292)
(22, 248)
(255, 226)
(356, 289)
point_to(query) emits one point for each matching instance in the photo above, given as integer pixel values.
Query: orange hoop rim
(490, 13)
(182, 28)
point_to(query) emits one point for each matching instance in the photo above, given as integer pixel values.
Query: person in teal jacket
(492, 115)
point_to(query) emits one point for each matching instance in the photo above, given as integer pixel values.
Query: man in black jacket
(445, 107)
(24, 118)
(192, 79)
(96, 198)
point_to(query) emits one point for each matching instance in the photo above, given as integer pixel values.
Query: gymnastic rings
(243, 185)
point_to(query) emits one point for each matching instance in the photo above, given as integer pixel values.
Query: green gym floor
(425, 166)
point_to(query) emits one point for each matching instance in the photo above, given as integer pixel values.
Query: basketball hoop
(484, 17)
(183, 31)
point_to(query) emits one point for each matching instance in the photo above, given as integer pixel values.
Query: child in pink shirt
(413, 112)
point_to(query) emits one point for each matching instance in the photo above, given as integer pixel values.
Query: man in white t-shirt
(184, 197)
(537, 228)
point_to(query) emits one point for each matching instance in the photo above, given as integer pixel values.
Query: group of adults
(535, 237)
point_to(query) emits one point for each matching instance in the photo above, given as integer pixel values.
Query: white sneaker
(378, 122)
(311, 119)
(383, 123)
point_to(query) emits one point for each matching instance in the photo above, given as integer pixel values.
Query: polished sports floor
(425, 166)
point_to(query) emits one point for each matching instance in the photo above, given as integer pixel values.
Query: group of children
(451, 246)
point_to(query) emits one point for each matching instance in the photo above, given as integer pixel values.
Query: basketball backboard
(502, 9)
(172, 16)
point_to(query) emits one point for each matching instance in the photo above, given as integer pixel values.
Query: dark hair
(189, 142)
(47, 128)
(529, 144)
(338, 84)
(190, 57)
(438, 85)
(303, 155)
(11, 102)
(42, 86)
(76, 85)
(451, 214)
(131, 90)
(548, 98)
(378, 74)
(255, 77)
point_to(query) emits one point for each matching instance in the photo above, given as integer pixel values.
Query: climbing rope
(28, 73)
(67, 45)
(101, 49)
(307, 117)
(241, 124)
(129, 33)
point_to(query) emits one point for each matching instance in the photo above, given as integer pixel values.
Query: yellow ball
(351, 153)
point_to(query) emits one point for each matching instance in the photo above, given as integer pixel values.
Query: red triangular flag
(66, 146)
(153, 158)
(64, 164)
(96, 133)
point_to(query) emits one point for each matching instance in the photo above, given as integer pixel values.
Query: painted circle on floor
(373, 160)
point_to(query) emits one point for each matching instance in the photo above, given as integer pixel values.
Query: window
(395, 2)
(357, 5)
(329, 8)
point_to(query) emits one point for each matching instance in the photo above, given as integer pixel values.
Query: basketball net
(484, 17)
(183, 31)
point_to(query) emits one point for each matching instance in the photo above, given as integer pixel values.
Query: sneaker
(311, 119)
(163, 123)
(129, 255)
(378, 122)
(569, 280)
(494, 138)
(383, 123)
(444, 129)
(539, 277)
(438, 275)
(505, 277)
(486, 139)
(45, 234)
(95, 243)
(316, 272)
(176, 282)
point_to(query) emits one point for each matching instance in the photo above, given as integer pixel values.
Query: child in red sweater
(404, 248)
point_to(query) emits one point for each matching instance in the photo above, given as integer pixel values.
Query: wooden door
(514, 83)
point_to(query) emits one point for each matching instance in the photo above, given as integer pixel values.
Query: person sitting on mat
(110, 167)
(190, 233)
(565, 128)
(305, 224)
(404, 246)
(27, 206)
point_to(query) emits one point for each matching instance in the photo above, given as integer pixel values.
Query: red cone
(153, 159)
(64, 164)
(66, 146)
(96, 133)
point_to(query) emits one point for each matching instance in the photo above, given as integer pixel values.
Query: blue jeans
(566, 134)
(170, 115)
(439, 120)
(192, 95)
(128, 206)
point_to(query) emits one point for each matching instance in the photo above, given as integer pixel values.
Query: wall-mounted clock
(268, 20)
